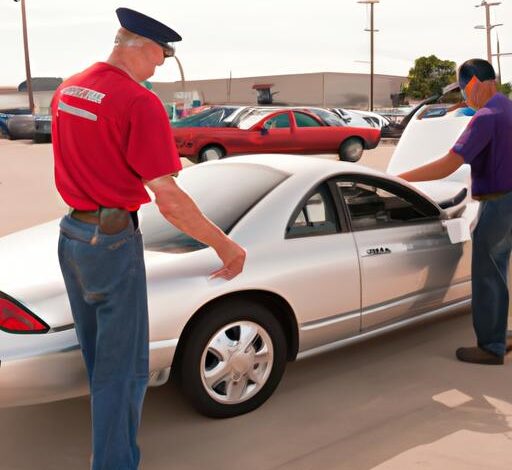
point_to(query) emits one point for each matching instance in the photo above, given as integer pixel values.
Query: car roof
(299, 164)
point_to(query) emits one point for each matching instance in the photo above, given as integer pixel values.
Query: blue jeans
(492, 243)
(106, 285)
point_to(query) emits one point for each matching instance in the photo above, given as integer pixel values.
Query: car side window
(372, 206)
(303, 120)
(317, 216)
(280, 121)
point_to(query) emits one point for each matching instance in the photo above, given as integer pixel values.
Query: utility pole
(372, 44)
(498, 55)
(27, 60)
(488, 26)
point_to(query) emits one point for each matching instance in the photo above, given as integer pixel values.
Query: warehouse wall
(329, 89)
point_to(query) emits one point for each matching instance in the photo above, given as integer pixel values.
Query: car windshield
(213, 117)
(252, 117)
(224, 193)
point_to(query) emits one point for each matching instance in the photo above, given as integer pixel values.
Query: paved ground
(400, 401)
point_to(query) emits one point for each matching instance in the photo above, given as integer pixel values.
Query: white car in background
(371, 117)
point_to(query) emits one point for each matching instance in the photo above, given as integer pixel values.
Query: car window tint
(224, 193)
(212, 117)
(303, 120)
(281, 121)
(317, 216)
(375, 207)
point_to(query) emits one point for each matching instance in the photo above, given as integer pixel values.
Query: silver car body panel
(317, 276)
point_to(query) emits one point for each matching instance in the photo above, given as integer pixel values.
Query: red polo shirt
(109, 134)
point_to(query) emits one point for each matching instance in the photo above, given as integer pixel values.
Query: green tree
(505, 88)
(428, 76)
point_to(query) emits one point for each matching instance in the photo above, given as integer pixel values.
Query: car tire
(351, 150)
(42, 139)
(211, 153)
(217, 359)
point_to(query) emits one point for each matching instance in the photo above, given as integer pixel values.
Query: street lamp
(488, 26)
(371, 30)
(182, 73)
(27, 60)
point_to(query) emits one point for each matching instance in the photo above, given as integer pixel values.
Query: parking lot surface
(400, 401)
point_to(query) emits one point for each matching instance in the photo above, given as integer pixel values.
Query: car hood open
(425, 140)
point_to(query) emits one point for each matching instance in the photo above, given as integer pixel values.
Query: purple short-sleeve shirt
(486, 145)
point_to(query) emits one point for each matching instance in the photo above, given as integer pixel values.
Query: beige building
(350, 90)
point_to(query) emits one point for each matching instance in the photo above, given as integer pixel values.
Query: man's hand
(181, 211)
(233, 257)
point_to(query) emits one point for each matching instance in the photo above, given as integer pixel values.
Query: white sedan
(336, 253)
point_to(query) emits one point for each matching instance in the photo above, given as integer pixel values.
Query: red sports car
(271, 130)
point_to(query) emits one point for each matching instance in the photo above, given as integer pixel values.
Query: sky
(262, 37)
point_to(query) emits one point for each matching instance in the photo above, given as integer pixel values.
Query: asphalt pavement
(400, 401)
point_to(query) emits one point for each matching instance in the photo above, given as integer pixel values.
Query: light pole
(498, 55)
(371, 30)
(182, 74)
(488, 26)
(371, 83)
(27, 60)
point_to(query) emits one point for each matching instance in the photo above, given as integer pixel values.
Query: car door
(408, 264)
(273, 134)
(312, 136)
(325, 282)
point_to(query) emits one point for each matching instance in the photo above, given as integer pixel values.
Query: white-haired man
(111, 137)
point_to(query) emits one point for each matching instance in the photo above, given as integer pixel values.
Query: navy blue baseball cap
(147, 27)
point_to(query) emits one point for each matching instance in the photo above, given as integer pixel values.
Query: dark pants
(106, 285)
(492, 243)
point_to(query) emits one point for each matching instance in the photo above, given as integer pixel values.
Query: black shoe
(478, 356)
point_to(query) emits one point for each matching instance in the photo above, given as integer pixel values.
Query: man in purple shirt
(486, 145)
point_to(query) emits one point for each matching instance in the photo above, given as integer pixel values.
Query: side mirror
(263, 131)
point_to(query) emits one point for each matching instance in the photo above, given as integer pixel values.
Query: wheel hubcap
(211, 154)
(354, 150)
(237, 362)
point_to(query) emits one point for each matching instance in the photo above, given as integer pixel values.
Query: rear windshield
(213, 117)
(224, 193)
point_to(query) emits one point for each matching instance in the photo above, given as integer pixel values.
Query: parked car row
(222, 131)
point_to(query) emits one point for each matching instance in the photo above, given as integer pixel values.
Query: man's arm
(181, 211)
(435, 170)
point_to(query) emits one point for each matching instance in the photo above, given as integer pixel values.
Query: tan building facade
(349, 90)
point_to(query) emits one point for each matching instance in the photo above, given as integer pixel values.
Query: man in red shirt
(111, 136)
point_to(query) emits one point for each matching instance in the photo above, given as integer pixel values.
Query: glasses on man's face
(168, 50)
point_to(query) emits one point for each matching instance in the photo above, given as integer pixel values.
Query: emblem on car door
(377, 251)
